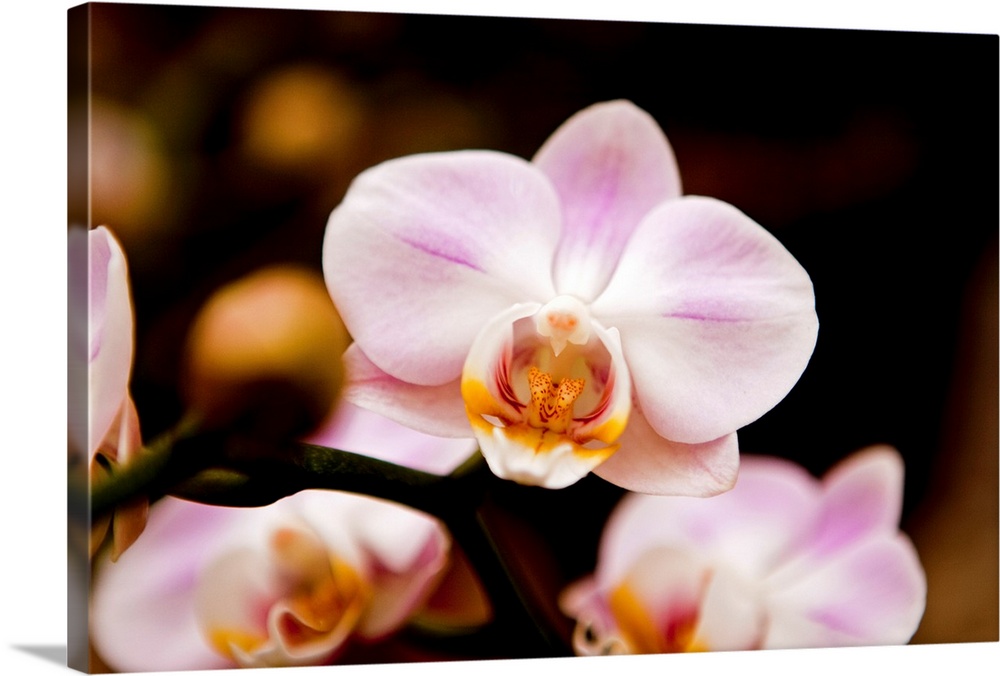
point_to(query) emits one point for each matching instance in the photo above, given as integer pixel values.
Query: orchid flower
(104, 343)
(780, 561)
(292, 583)
(574, 313)
(288, 584)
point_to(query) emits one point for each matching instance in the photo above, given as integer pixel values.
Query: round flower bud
(265, 353)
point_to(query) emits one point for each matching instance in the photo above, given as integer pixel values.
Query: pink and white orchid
(105, 345)
(574, 313)
(780, 561)
(288, 584)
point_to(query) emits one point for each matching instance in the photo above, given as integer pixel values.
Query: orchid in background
(291, 583)
(574, 313)
(103, 346)
(780, 561)
(288, 584)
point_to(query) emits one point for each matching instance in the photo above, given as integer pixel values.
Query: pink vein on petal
(439, 251)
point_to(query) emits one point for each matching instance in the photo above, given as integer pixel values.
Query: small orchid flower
(780, 561)
(288, 584)
(104, 343)
(574, 313)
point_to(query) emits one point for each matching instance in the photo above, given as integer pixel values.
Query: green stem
(155, 468)
(219, 469)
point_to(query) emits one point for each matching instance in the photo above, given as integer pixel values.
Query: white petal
(537, 458)
(716, 316)
(436, 410)
(111, 332)
(424, 249)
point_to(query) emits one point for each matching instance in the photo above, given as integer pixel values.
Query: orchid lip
(319, 604)
(543, 390)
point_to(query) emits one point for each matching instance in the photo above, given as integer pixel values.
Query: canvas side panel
(78, 502)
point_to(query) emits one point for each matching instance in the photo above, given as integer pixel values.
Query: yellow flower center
(551, 405)
(546, 393)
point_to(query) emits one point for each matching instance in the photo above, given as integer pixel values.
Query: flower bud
(264, 353)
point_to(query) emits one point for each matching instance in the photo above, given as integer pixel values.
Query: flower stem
(171, 457)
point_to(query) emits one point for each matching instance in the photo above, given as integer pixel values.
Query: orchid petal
(125, 434)
(656, 604)
(111, 332)
(732, 615)
(402, 539)
(403, 552)
(398, 594)
(537, 457)
(750, 527)
(862, 496)
(647, 463)
(610, 421)
(433, 410)
(872, 594)
(340, 534)
(284, 653)
(610, 164)
(142, 606)
(443, 242)
(717, 318)
(233, 594)
(128, 524)
(357, 430)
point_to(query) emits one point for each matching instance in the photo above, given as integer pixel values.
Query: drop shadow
(50, 653)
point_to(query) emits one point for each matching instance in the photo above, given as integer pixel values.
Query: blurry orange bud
(265, 352)
(301, 117)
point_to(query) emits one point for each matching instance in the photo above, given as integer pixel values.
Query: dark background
(871, 155)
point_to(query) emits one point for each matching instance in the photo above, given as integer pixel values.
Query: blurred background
(220, 139)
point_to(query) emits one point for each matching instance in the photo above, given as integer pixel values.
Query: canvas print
(400, 338)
